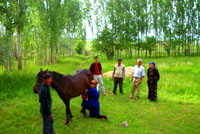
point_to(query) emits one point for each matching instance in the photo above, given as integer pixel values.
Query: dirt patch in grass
(128, 71)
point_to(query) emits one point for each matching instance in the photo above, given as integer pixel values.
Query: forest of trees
(148, 27)
(44, 30)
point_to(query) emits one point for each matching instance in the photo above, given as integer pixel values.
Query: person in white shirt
(138, 74)
(118, 76)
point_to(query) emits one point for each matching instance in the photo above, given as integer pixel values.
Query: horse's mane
(56, 75)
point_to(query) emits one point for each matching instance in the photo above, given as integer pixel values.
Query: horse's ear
(41, 69)
(46, 71)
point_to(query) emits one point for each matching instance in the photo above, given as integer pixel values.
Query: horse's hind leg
(67, 112)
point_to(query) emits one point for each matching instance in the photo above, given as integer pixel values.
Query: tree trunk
(58, 53)
(155, 51)
(51, 45)
(146, 52)
(197, 47)
(159, 49)
(6, 66)
(25, 59)
(19, 58)
(131, 54)
(47, 54)
(168, 52)
(135, 52)
(149, 53)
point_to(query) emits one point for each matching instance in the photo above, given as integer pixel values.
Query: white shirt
(138, 71)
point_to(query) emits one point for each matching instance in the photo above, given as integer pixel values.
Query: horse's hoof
(84, 113)
(71, 116)
(66, 123)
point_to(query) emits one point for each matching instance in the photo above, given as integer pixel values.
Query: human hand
(122, 78)
(102, 76)
(140, 81)
(51, 116)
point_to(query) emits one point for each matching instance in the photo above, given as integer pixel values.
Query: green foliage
(105, 43)
(150, 43)
(35, 29)
(177, 109)
(134, 20)
(80, 45)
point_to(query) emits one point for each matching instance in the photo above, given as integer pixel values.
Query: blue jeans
(47, 124)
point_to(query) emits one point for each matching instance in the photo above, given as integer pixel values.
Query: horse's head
(39, 80)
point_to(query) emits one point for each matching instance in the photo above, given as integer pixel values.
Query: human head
(47, 79)
(119, 61)
(139, 62)
(93, 83)
(39, 80)
(152, 65)
(96, 58)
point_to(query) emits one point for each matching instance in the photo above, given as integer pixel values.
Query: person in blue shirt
(92, 104)
(45, 104)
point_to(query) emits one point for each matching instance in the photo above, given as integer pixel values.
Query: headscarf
(154, 64)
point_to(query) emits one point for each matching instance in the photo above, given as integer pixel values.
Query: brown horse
(67, 86)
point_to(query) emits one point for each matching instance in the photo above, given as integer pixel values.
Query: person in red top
(84, 100)
(96, 70)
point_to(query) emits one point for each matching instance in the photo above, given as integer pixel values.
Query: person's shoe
(137, 98)
(130, 97)
(104, 94)
(155, 101)
(105, 117)
(113, 94)
(83, 112)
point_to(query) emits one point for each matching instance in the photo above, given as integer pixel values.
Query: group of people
(118, 76)
(91, 96)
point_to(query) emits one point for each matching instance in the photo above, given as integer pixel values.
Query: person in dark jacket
(96, 70)
(45, 104)
(92, 104)
(153, 78)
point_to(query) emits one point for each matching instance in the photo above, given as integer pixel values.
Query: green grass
(177, 111)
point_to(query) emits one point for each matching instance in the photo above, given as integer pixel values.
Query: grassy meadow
(176, 112)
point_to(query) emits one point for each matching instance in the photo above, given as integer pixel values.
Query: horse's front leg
(70, 113)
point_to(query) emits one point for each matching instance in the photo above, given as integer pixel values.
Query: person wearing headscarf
(153, 78)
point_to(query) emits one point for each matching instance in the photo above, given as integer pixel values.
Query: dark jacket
(153, 75)
(45, 99)
(92, 68)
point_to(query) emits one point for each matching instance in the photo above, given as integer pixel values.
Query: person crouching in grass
(92, 104)
(45, 104)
